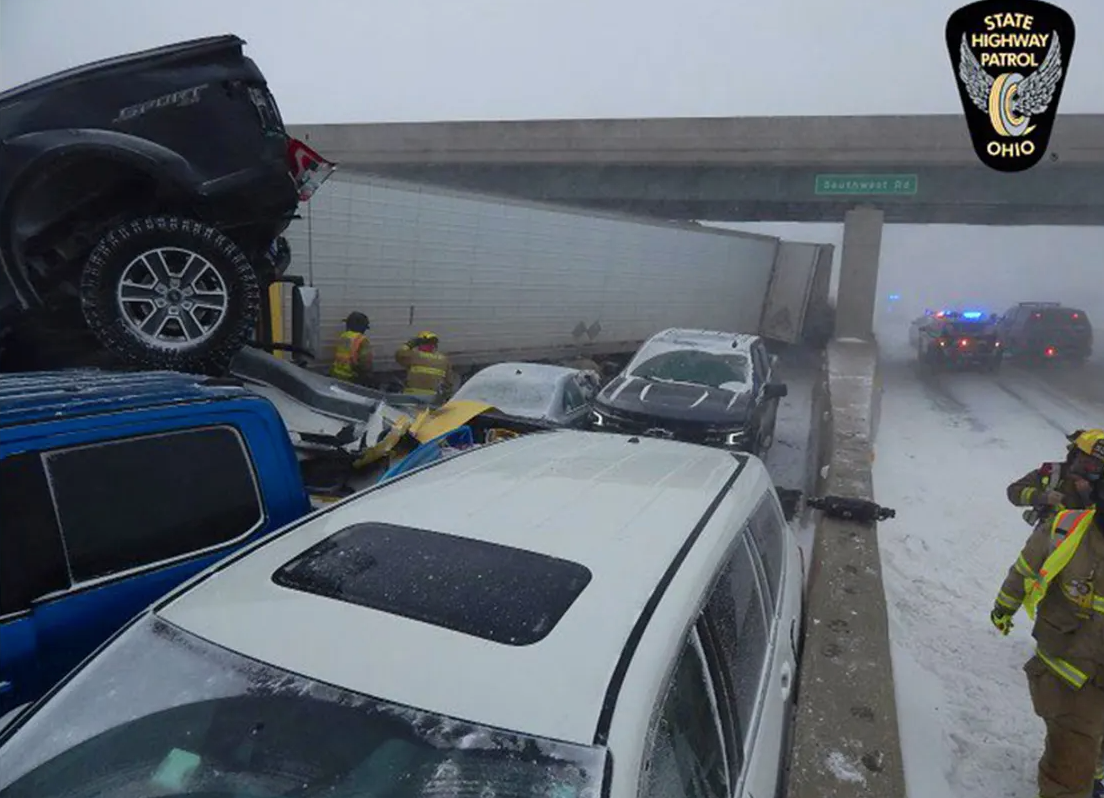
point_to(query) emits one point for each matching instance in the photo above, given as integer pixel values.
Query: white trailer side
(499, 279)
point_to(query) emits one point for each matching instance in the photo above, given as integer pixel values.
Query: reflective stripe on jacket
(1066, 533)
(1069, 648)
(353, 356)
(426, 372)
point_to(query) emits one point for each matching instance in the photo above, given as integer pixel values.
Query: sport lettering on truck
(177, 99)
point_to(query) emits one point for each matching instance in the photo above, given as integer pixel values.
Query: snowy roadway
(947, 447)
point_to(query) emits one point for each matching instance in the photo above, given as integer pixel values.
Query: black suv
(142, 200)
(960, 340)
(698, 386)
(1042, 331)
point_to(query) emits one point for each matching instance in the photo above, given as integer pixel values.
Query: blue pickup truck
(115, 488)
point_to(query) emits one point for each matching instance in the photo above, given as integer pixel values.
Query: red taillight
(1049, 351)
(965, 342)
(309, 169)
(1075, 316)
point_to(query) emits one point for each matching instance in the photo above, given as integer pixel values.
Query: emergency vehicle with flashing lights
(954, 339)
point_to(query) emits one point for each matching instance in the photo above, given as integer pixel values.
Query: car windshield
(728, 371)
(516, 397)
(162, 713)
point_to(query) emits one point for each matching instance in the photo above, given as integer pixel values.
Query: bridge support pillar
(858, 282)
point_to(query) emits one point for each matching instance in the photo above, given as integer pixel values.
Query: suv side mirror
(776, 390)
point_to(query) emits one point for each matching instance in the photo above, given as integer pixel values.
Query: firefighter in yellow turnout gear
(428, 371)
(1054, 580)
(1061, 485)
(353, 355)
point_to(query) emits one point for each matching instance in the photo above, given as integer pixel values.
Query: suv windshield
(696, 367)
(162, 713)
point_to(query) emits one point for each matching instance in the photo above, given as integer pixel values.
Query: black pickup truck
(142, 201)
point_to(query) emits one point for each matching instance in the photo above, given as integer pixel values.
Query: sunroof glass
(494, 592)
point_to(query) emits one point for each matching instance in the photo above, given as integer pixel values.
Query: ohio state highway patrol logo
(1010, 59)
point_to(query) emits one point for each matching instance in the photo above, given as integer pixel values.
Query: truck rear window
(486, 590)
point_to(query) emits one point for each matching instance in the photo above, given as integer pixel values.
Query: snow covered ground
(947, 447)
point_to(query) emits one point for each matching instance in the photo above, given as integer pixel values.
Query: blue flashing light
(972, 314)
(894, 296)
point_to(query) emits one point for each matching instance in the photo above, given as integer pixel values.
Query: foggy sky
(412, 60)
(371, 61)
(984, 268)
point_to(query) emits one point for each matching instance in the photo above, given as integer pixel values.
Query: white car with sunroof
(566, 614)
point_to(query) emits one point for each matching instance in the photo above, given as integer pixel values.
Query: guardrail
(846, 738)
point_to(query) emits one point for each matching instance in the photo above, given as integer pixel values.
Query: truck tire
(163, 292)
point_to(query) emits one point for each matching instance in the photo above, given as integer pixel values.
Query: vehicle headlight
(738, 438)
(729, 437)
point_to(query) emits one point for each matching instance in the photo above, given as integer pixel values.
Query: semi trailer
(502, 279)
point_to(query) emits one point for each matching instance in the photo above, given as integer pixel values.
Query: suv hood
(676, 401)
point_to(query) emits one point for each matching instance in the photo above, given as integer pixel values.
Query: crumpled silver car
(558, 396)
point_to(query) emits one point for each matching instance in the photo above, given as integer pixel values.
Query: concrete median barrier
(846, 740)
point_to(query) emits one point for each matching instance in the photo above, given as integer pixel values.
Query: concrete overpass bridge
(741, 169)
(862, 171)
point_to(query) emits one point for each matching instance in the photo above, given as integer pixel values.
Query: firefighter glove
(1050, 498)
(1002, 620)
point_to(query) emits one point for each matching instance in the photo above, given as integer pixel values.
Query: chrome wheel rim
(172, 298)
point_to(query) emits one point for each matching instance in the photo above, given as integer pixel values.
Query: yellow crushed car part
(435, 423)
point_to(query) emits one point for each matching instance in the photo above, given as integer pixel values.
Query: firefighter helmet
(1088, 441)
(431, 338)
(357, 322)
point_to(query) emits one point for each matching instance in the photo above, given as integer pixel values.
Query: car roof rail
(1040, 304)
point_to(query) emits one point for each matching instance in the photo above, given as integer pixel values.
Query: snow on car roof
(530, 372)
(619, 507)
(709, 340)
(37, 396)
(529, 390)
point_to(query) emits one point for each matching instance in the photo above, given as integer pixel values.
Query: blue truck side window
(32, 560)
(135, 502)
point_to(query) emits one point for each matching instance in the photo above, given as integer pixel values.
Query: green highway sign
(866, 184)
